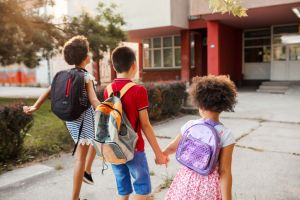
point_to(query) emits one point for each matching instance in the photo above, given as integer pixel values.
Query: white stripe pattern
(87, 133)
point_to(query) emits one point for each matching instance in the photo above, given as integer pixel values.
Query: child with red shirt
(135, 104)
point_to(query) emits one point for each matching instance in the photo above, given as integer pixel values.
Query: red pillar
(185, 55)
(141, 61)
(213, 47)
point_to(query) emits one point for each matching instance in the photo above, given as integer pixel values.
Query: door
(279, 68)
(294, 62)
(285, 53)
(286, 62)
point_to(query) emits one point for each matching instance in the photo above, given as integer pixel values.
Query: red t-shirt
(134, 100)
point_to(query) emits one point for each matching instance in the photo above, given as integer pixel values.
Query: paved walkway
(266, 159)
(21, 92)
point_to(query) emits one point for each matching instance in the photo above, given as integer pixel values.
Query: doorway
(285, 54)
(198, 52)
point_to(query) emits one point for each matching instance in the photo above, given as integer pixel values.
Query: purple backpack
(199, 147)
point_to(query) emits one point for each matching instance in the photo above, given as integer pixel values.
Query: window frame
(257, 46)
(162, 48)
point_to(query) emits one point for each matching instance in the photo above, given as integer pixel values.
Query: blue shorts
(139, 170)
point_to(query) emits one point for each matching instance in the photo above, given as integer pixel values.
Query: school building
(181, 39)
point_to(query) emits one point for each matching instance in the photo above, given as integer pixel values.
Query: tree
(103, 30)
(26, 36)
(231, 6)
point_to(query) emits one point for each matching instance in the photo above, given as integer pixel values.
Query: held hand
(29, 109)
(161, 159)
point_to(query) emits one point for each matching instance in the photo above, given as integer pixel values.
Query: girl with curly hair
(212, 95)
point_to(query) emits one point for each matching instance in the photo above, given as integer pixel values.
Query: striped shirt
(87, 117)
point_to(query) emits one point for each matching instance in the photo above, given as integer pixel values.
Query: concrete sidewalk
(266, 159)
(21, 92)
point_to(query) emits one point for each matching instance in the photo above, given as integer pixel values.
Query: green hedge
(155, 101)
(165, 98)
(14, 124)
(173, 95)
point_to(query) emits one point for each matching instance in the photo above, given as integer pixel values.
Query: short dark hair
(76, 50)
(123, 58)
(213, 93)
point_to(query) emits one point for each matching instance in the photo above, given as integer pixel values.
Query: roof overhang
(258, 17)
(140, 34)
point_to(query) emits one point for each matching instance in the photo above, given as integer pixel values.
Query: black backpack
(67, 100)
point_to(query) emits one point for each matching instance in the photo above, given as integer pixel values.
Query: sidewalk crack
(250, 131)
(264, 150)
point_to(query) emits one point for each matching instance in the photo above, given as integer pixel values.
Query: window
(162, 52)
(279, 53)
(286, 29)
(147, 53)
(257, 46)
(295, 52)
(281, 50)
(259, 54)
(168, 51)
(177, 56)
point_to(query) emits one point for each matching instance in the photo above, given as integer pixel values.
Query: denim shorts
(139, 171)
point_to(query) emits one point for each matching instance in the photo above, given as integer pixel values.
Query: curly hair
(213, 93)
(76, 50)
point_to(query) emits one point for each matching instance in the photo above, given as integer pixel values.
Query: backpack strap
(126, 88)
(109, 90)
(123, 91)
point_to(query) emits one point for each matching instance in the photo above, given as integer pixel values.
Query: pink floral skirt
(189, 185)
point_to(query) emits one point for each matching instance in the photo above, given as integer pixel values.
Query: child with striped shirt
(76, 53)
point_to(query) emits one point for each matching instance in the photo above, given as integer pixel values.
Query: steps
(274, 87)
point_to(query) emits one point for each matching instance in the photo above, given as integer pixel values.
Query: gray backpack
(115, 139)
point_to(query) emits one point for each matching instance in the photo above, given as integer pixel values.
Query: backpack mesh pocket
(194, 153)
(113, 153)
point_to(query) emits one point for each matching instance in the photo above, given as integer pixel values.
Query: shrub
(165, 98)
(14, 124)
(173, 95)
(155, 101)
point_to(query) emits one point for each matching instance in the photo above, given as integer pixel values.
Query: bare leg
(89, 159)
(81, 153)
(140, 197)
(123, 197)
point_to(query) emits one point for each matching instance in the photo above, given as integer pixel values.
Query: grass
(152, 173)
(59, 167)
(167, 183)
(47, 136)
(150, 197)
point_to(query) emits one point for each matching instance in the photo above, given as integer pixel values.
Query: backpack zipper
(68, 87)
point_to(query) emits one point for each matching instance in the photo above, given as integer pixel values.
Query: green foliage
(26, 37)
(173, 95)
(165, 98)
(103, 30)
(231, 6)
(48, 135)
(14, 124)
(155, 101)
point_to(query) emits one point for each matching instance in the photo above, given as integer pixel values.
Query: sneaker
(87, 178)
